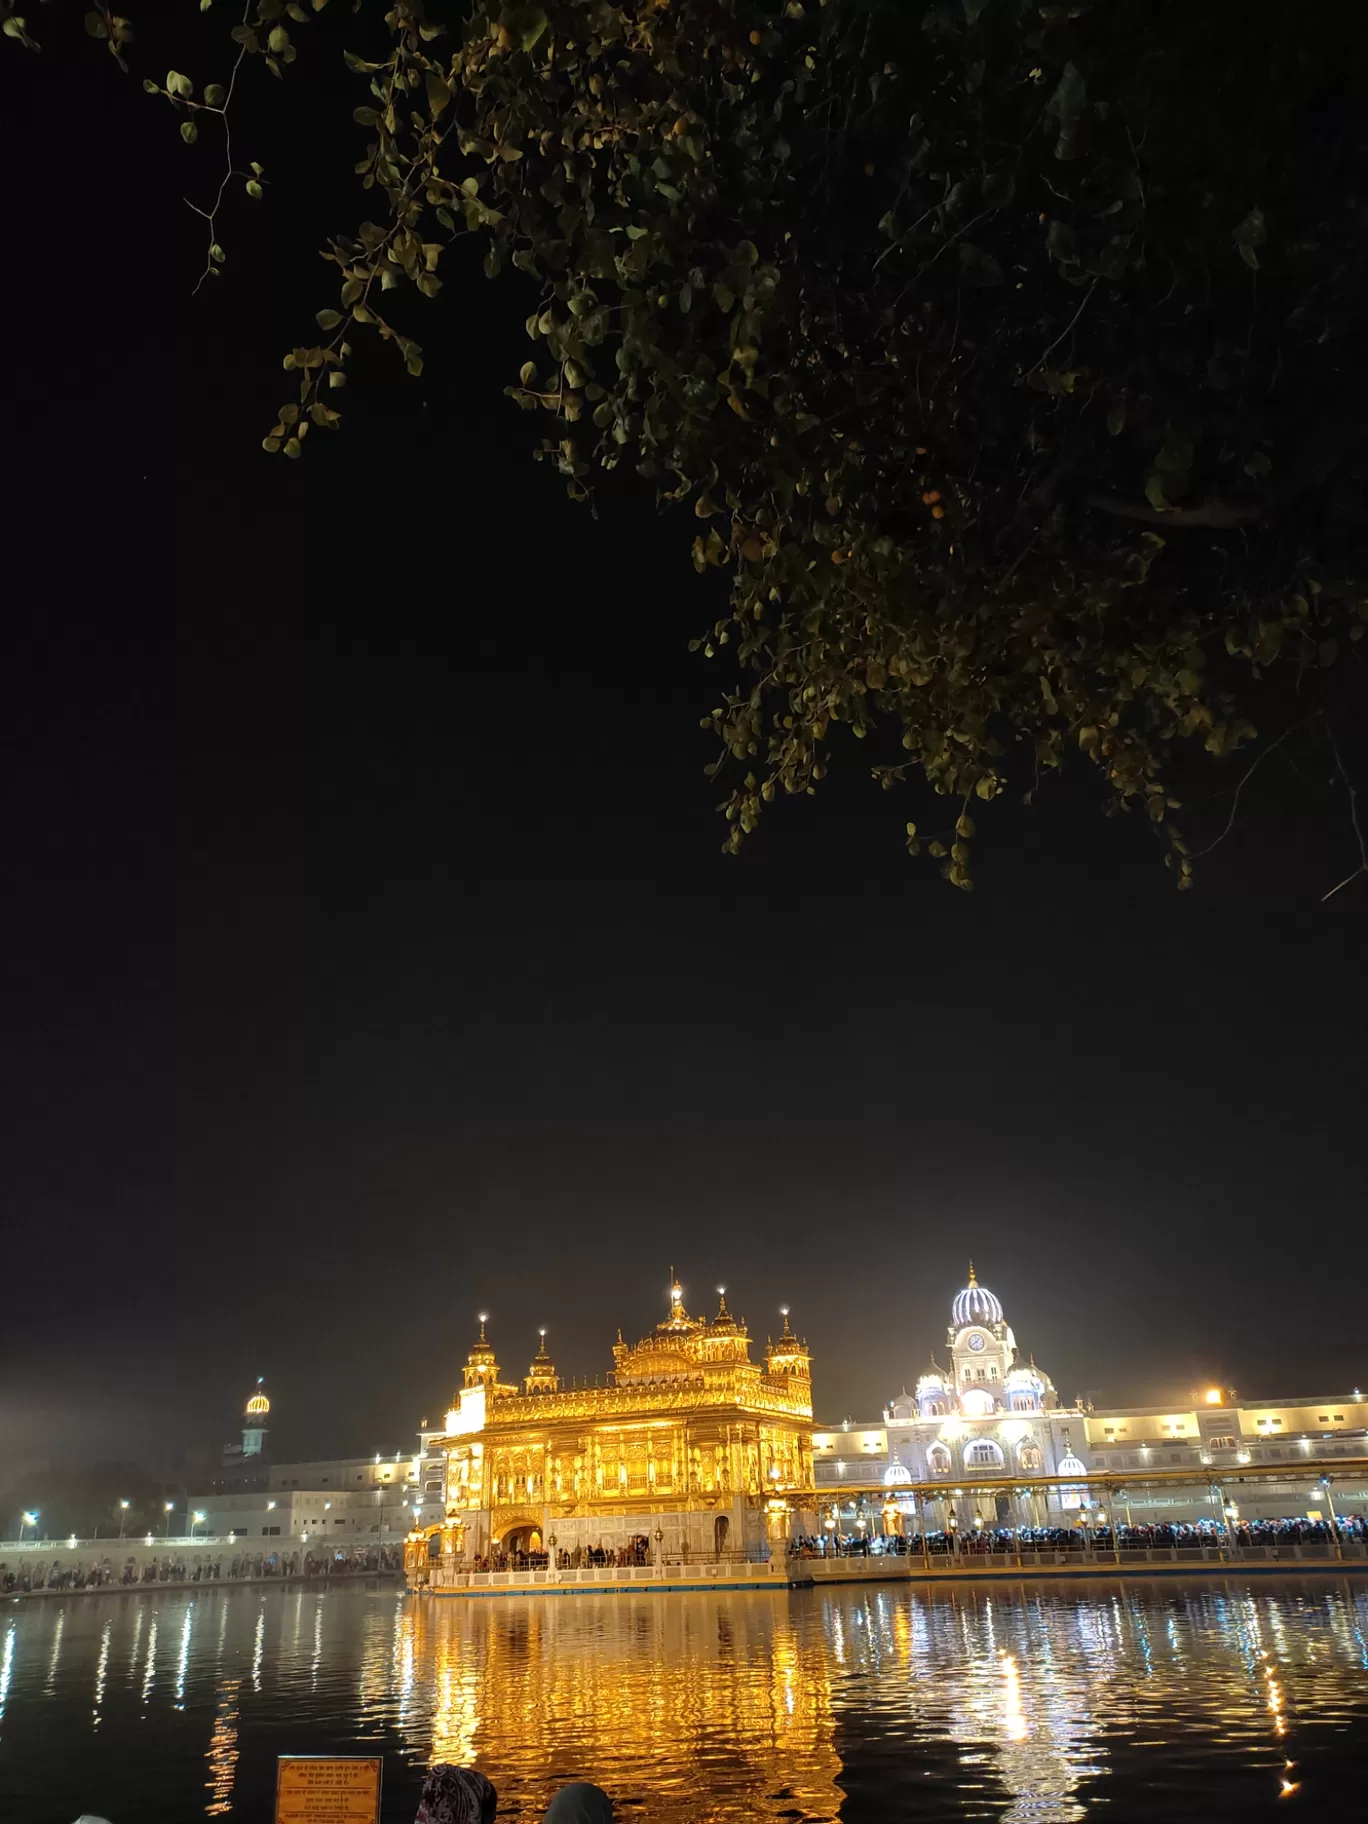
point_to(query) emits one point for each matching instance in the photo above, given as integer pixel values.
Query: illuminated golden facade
(691, 1447)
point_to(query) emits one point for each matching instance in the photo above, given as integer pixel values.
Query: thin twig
(1068, 326)
(1235, 804)
(229, 173)
(1362, 868)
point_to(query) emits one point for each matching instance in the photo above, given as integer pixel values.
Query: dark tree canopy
(1006, 355)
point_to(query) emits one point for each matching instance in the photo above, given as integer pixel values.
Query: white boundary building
(987, 1415)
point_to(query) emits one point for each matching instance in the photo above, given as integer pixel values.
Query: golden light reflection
(658, 1687)
(222, 1753)
(1014, 1717)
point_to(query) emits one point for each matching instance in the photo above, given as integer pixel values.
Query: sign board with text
(325, 1789)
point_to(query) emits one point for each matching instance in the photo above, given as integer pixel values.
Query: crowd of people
(583, 1557)
(176, 1567)
(981, 1541)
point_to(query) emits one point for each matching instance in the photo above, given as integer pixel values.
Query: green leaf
(292, 448)
(254, 189)
(215, 95)
(526, 24)
(189, 132)
(279, 39)
(1154, 493)
(95, 25)
(328, 319)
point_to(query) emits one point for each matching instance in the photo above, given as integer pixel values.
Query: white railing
(701, 1572)
(201, 1542)
(912, 1564)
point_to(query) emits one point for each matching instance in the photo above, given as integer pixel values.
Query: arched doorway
(520, 1540)
(721, 1531)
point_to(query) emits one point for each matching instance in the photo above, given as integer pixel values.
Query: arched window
(1028, 1456)
(938, 1460)
(983, 1454)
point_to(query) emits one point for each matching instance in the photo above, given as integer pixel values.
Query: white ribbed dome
(1070, 1466)
(1027, 1380)
(975, 1304)
(931, 1382)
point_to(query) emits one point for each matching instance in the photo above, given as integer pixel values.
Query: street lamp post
(168, 1505)
(28, 1519)
(196, 1519)
(123, 1517)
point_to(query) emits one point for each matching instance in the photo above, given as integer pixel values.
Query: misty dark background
(369, 959)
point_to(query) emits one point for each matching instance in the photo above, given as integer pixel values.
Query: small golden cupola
(788, 1354)
(541, 1376)
(481, 1369)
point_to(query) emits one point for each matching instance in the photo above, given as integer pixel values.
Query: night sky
(369, 959)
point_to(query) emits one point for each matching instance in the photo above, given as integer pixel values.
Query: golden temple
(690, 1451)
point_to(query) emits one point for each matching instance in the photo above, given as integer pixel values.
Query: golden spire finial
(785, 1335)
(482, 1341)
(722, 1311)
(973, 1277)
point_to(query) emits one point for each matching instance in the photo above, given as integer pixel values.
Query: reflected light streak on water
(55, 1657)
(184, 1660)
(7, 1665)
(222, 1753)
(102, 1668)
(1023, 1704)
(150, 1673)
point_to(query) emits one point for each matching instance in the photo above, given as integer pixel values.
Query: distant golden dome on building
(258, 1403)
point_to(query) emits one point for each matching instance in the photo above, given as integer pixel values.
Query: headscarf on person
(580, 1803)
(456, 1795)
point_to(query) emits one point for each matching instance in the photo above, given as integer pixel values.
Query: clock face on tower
(976, 1341)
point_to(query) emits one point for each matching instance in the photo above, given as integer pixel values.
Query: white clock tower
(982, 1349)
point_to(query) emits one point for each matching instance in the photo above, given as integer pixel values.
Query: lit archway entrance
(721, 1532)
(522, 1539)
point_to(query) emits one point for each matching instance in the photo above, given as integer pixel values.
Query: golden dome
(258, 1404)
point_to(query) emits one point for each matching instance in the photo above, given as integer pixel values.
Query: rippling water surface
(1137, 1700)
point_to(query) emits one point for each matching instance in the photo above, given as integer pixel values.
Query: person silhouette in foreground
(460, 1795)
(580, 1803)
(456, 1795)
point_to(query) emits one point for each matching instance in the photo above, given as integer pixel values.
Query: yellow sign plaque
(323, 1789)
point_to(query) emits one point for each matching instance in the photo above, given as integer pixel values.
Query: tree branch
(1214, 515)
